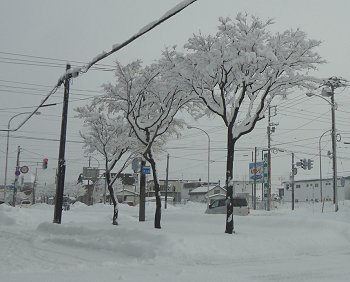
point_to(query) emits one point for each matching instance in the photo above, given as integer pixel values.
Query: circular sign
(17, 172)
(24, 169)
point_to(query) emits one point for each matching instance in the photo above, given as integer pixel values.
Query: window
(222, 202)
(316, 185)
(217, 191)
(307, 185)
(218, 203)
(297, 186)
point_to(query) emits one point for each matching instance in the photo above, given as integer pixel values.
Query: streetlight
(319, 150)
(7, 146)
(328, 91)
(193, 127)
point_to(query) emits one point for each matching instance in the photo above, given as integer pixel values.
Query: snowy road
(305, 245)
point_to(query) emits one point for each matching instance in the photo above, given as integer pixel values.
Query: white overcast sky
(39, 37)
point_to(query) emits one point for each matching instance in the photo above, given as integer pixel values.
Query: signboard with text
(146, 170)
(256, 172)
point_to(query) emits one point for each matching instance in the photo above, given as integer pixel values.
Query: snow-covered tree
(111, 136)
(238, 71)
(45, 190)
(75, 190)
(150, 100)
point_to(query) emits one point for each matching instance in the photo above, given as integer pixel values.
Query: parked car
(25, 204)
(240, 206)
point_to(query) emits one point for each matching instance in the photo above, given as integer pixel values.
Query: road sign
(17, 172)
(146, 170)
(136, 164)
(90, 173)
(24, 169)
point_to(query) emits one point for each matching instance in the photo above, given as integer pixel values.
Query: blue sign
(256, 171)
(146, 170)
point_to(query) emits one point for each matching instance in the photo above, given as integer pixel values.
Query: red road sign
(24, 169)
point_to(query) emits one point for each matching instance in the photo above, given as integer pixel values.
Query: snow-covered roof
(128, 191)
(204, 189)
(217, 195)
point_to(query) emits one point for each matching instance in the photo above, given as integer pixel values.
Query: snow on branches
(240, 69)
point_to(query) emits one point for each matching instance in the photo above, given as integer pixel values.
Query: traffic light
(45, 161)
(303, 164)
(310, 164)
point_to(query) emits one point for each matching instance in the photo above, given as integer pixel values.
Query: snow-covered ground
(280, 245)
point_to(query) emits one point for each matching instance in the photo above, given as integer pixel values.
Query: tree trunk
(229, 181)
(157, 216)
(111, 195)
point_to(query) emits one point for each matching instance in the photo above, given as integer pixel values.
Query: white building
(201, 193)
(310, 190)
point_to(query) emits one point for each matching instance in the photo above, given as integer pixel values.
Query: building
(129, 197)
(201, 194)
(242, 187)
(179, 190)
(310, 190)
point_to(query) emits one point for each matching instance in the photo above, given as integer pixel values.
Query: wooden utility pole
(61, 161)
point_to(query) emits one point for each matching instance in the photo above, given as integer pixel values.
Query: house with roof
(201, 194)
(126, 196)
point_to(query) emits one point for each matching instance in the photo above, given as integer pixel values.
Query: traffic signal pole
(61, 161)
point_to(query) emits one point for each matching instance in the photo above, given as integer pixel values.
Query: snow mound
(4, 218)
(79, 205)
(134, 243)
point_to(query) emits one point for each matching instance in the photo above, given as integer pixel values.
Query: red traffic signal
(45, 162)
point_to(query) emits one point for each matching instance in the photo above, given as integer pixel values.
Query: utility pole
(292, 180)
(334, 150)
(166, 181)
(35, 181)
(270, 129)
(254, 185)
(142, 207)
(254, 178)
(61, 161)
(17, 173)
(91, 196)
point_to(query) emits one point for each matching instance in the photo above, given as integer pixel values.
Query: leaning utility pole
(61, 170)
